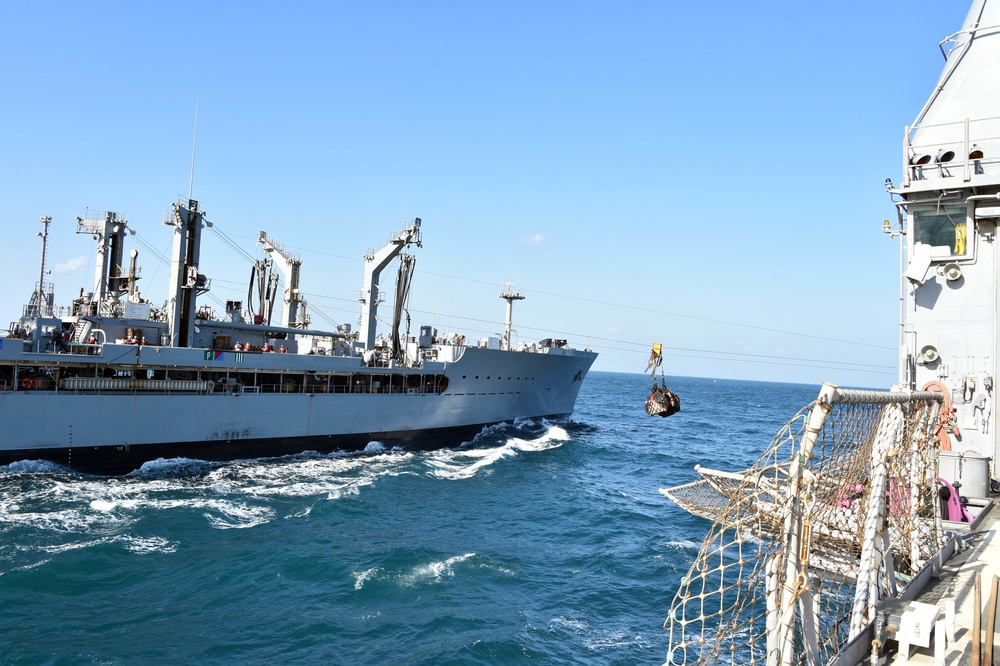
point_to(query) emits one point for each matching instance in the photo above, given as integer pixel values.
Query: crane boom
(289, 264)
(374, 263)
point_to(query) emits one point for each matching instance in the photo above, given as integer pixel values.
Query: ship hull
(125, 458)
(114, 431)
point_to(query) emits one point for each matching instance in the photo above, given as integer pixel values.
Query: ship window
(944, 228)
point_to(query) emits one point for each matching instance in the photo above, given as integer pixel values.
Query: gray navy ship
(113, 381)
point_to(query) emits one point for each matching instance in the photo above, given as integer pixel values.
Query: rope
(866, 498)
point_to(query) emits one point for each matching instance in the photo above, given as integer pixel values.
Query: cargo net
(840, 512)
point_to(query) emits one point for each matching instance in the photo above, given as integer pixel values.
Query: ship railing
(952, 40)
(426, 388)
(129, 385)
(951, 149)
(83, 349)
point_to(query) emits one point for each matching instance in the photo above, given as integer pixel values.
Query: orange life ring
(940, 431)
(27, 384)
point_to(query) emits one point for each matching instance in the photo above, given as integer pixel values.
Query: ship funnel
(952, 272)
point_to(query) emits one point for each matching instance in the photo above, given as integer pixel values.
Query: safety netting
(839, 512)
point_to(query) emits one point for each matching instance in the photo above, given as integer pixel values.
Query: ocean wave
(361, 577)
(146, 545)
(27, 567)
(60, 520)
(434, 572)
(33, 467)
(171, 467)
(26, 556)
(234, 495)
(55, 549)
(568, 623)
(554, 437)
(596, 637)
(374, 447)
(613, 640)
(684, 544)
(332, 476)
(237, 515)
(466, 462)
(112, 505)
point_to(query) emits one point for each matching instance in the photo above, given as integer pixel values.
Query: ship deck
(956, 581)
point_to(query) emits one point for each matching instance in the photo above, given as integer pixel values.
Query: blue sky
(704, 175)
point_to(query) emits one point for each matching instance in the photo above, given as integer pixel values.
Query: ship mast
(41, 302)
(510, 296)
(185, 280)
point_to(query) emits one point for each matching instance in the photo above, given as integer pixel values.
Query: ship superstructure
(115, 381)
(948, 209)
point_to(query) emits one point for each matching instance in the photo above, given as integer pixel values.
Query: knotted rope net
(838, 513)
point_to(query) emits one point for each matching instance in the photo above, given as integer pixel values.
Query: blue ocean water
(539, 542)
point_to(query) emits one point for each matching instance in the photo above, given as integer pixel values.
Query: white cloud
(536, 239)
(70, 266)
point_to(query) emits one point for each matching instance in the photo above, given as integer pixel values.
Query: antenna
(194, 147)
(42, 303)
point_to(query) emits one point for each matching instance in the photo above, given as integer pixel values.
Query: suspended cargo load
(661, 401)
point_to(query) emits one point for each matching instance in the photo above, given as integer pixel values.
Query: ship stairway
(81, 331)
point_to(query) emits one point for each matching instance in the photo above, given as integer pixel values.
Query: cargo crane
(374, 263)
(290, 265)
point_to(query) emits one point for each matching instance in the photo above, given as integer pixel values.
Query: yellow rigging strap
(655, 357)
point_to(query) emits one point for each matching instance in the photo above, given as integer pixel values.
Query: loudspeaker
(952, 272)
(928, 354)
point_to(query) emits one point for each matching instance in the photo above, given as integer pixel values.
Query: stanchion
(977, 620)
(991, 621)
